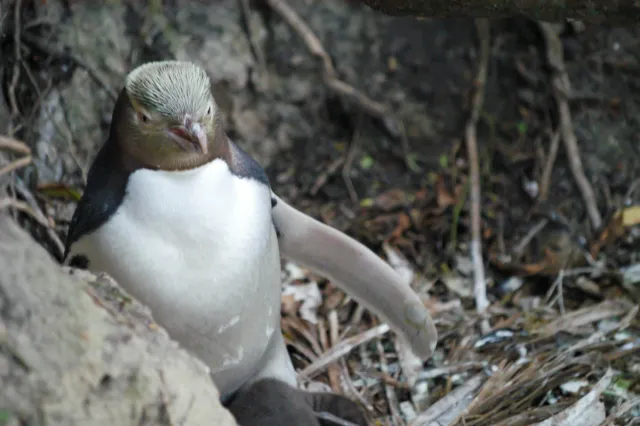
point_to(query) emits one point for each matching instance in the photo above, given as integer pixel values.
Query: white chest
(198, 247)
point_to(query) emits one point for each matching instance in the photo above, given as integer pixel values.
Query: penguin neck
(124, 160)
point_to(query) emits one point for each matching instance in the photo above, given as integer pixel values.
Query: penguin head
(166, 117)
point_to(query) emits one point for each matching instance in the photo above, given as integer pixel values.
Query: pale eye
(143, 117)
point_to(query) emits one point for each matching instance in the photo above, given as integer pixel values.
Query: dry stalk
(477, 98)
(561, 91)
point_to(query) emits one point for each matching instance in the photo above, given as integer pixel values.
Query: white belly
(199, 248)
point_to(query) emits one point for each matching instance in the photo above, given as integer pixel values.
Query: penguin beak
(191, 135)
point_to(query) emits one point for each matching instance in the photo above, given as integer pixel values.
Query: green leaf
(522, 128)
(5, 416)
(366, 162)
(623, 384)
(60, 191)
(444, 161)
(366, 202)
(412, 163)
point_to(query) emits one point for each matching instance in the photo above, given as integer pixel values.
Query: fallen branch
(545, 180)
(332, 80)
(561, 91)
(480, 289)
(15, 76)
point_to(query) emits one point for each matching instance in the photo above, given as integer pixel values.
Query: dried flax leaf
(341, 349)
(571, 322)
(510, 397)
(588, 411)
(451, 405)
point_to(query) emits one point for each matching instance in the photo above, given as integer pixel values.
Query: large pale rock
(75, 350)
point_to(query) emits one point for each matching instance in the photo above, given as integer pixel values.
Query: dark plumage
(270, 402)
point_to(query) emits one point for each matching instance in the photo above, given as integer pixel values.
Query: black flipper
(105, 190)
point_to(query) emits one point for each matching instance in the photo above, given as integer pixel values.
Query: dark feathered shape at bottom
(270, 402)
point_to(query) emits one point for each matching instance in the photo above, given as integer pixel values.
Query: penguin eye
(143, 117)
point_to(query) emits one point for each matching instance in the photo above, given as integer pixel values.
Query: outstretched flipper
(358, 271)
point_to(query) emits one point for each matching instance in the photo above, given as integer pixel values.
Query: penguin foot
(271, 402)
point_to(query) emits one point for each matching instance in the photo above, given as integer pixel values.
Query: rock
(76, 350)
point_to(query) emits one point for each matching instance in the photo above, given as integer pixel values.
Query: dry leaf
(309, 295)
(588, 411)
(404, 223)
(451, 405)
(443, 197)
(616, 228)
(391, 200)
(288, 304)
(571, 322)
(463, 287)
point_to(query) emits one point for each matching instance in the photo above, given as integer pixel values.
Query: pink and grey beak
(190, 136)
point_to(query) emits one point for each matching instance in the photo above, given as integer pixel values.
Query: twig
(519, 248)
(17, 146)
(502, 248)
(632, 188)
(24, 192)
(310, 39)
(245, 9)
(334, 370)
(93, 74)
(14, 145)
(557, 286)
(17, 59)
(453, 401)
(545, 180)
(351, 155)
(342, 349)
(17, 164)
(386, 378)
(321, 180)
(23, 207)
(480, 289)
(331, 79)
(620, 411)
(333, 419)
(392, 398)
(561, 90)
(354, 392)
(450, 369)
(307, 335)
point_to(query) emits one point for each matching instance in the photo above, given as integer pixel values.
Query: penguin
(187, 223)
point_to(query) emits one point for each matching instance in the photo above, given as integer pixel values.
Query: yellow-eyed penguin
(186, 221)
